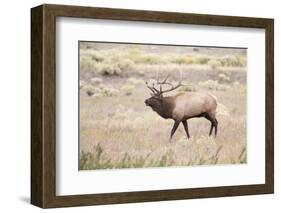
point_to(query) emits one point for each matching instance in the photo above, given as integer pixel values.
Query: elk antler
(164, 82)
(153, 89)
(170, 84)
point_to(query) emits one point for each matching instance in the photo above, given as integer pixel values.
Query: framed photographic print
(136, 106)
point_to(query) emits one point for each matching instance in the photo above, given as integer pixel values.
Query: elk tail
(215, 97)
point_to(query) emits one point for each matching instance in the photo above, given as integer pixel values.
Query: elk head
(156, 99)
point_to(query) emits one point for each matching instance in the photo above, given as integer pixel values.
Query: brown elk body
(183, 106)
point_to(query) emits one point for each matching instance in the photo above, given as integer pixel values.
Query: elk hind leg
(214, 123)
(216, 126)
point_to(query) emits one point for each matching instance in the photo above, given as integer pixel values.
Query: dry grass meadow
(117, 130)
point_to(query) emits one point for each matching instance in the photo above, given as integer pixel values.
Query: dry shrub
(82, 84)
(214, 64)
(182, 59)
(213, 85)
(108, 69)
(233, 61)
(135, 81)
(148, 59)
(124, 61)
(202, 59)
(107, 90)
(128, 89)
(100, 90)
(96, 81)
(223, 78)
(187, 88)
(89, 89)
(236, 84)
(97, 57)
(85, 63)
(105, 62)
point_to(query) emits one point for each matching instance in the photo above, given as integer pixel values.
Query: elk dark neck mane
(165, 109)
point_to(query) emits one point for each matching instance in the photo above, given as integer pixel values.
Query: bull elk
(182, 106)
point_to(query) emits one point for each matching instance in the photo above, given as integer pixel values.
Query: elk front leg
(211, 129)
(185, 125)
(176, 124)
